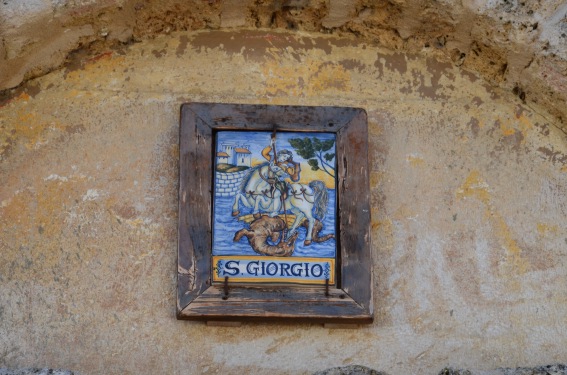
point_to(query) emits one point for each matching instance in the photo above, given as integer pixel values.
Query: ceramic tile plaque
(274, 214)
(274, 207)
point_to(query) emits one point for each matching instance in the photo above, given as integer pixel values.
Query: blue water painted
(225, 226)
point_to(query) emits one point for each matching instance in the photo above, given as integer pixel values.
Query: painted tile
(267, 193)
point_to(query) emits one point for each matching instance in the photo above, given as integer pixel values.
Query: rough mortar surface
(520, 46)
(468, 194)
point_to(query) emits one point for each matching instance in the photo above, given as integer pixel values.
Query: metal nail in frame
(274, 214)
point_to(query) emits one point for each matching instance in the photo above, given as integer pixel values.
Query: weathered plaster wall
(468, 211)
(520, 46)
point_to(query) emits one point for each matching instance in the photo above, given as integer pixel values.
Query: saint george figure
(281, 166)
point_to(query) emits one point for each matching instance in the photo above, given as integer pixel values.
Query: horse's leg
(239, 198)
(317, 228)
(256, 210)
(275, 206)
(299, 216)
(261, 202)
(311, 221)
(235, 211)
(305, 207)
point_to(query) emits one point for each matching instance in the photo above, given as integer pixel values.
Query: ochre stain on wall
(415, 161)
(544, 229)
(308, 79)
(38, 217)
(97, 68)
(475, 187)
(33, 129)
(517, 126)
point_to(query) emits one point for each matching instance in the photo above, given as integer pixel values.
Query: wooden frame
(350, 301)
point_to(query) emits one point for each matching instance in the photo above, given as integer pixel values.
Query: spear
(274, 146)
(283, 192)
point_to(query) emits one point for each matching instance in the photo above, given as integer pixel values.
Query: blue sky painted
(259, 140)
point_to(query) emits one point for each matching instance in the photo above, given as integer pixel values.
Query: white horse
(304, 201)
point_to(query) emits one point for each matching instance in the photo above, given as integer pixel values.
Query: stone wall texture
(468, 195)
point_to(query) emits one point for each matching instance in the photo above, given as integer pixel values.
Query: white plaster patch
(553, 27)
(6, 202)
(91, 195)
(143, 225)
(56, 177)
(480, 185)
(17, 12)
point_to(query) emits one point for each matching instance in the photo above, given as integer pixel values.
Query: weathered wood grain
(246, 304)
(354, 211)
(195, 201)
(265, 117)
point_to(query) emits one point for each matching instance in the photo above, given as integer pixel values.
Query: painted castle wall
(228, 184)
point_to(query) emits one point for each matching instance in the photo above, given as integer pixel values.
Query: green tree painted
(315, 152)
